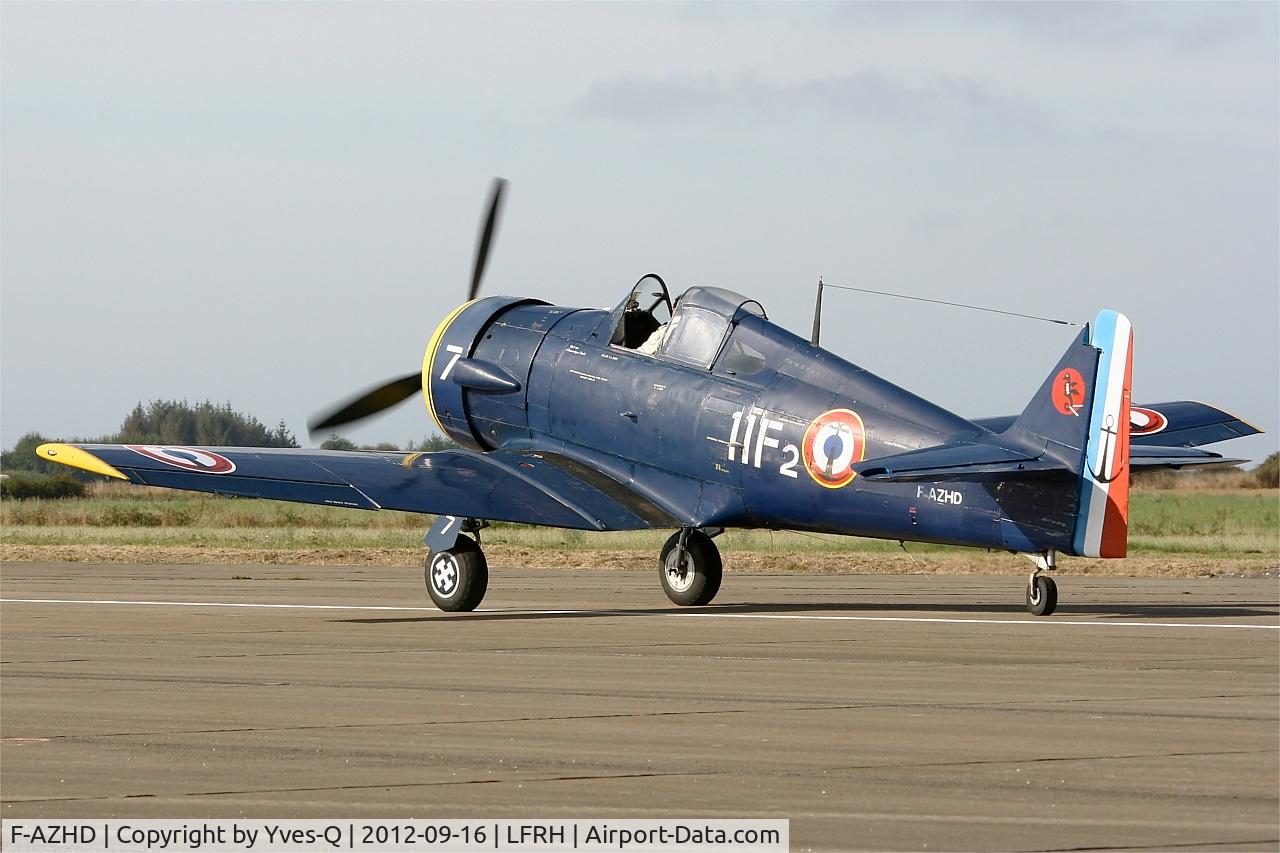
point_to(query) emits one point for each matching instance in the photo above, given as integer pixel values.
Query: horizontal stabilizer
(960, 461)
(1184, 423)
(1144, 458)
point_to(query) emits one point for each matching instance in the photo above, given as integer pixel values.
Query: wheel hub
(679, 571)
(444, 574)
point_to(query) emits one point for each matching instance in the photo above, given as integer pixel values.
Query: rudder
(1102, 525)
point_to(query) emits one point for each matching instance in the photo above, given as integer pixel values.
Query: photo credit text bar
(438, 836)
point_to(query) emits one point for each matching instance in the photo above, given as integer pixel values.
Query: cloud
(859, 97)
(1185, 25)
(1097, 24)
(643, 99)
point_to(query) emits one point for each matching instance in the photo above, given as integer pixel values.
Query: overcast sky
(274, 204)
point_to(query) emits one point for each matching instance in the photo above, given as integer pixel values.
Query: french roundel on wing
(833, 444)
(1145, 421)
(187, 458)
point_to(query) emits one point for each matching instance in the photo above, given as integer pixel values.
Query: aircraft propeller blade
(390, 393)
(486, 236)
(370, 402)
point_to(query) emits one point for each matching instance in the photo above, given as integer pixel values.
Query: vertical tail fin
(1057, 418)
(1080, 417)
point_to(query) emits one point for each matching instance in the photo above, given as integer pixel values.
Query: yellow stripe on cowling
(428, 359)
(67, 454)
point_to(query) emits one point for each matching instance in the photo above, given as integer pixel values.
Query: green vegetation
(204, 424)
(25, 485)
(1264, 476)
(338, 442)
(22, 457)
(1205, 522)
(158, 422)
(1268, 473)
(1210, 523)
(431, 444)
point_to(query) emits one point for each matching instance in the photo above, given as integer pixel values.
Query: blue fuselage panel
(770, 448)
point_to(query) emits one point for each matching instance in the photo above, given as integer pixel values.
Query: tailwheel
(1042, 595)
(457, 577)
(690, 568)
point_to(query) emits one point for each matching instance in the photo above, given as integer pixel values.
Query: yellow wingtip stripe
(67, 454)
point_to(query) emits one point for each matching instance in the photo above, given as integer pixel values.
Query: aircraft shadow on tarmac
(1113, 611)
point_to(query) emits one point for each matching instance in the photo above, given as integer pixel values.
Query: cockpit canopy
(692, 333)
(726, 303)
(701, 321)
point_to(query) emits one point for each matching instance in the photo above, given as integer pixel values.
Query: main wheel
(457, 577)
(1042, 595)
(694, 580)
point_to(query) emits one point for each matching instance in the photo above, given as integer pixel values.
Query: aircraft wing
(502, 486)
(1184, 423)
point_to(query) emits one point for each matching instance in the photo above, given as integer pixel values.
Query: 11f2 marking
(758, 425)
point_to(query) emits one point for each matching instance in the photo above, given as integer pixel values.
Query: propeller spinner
(388, 394)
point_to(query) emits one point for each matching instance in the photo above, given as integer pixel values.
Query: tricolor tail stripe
(1102, 527)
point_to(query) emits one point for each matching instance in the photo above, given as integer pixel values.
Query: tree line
(162, 422)
(430, 444)
(178, 422)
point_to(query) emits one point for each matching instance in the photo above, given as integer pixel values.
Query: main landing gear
(457, 577)
(457, 574)
(1042, 592)
(690, 567)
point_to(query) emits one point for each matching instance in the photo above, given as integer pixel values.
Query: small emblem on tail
(1107, 469)
(1069, 392)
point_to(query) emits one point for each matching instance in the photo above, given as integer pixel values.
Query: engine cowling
(475, 372)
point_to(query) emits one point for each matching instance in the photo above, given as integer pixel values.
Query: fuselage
(764, 430)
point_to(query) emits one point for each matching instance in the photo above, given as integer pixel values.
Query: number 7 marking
(457, 354)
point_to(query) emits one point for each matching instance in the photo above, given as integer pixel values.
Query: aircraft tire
(701, 580)
(457, 577)
(1042, 596)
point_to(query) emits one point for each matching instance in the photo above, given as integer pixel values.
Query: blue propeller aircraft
(699, 414)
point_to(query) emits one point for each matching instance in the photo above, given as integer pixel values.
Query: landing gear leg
(690, 568)
(458, 575)
(1042, 592)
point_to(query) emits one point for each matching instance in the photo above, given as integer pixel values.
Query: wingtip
(1257, 430)
(68, 454)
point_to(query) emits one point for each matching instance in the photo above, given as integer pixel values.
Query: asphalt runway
(876, 712)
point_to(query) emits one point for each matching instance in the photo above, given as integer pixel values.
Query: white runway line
(674, 614)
